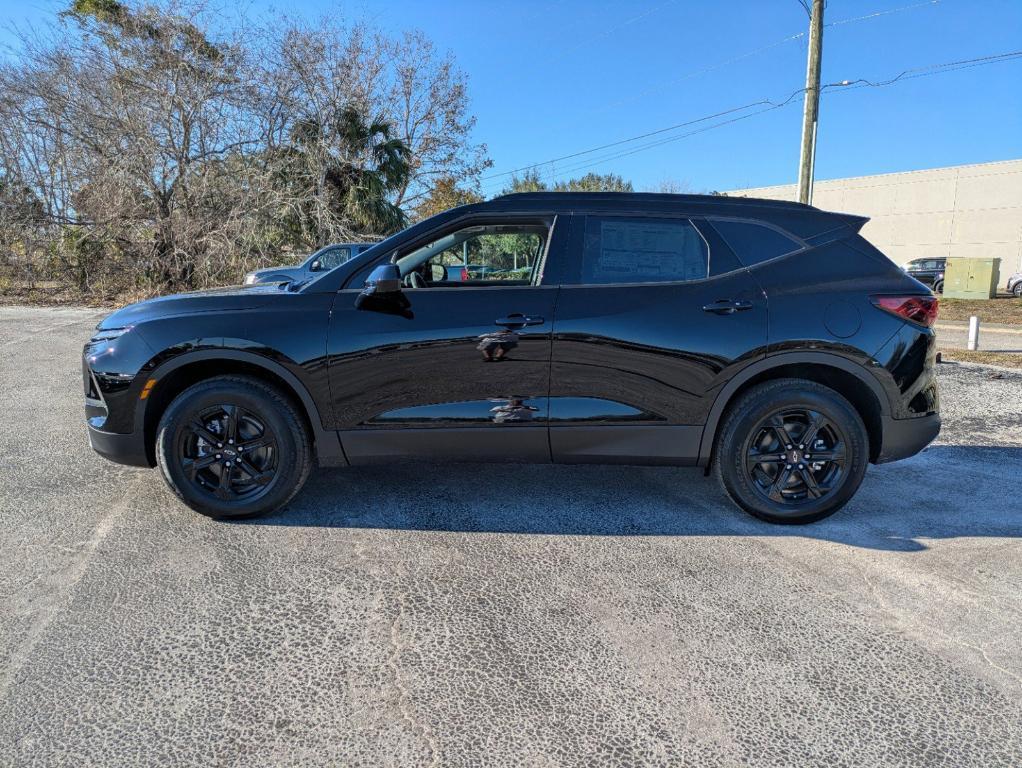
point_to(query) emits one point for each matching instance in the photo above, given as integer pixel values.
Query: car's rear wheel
(1018, 289)
(233, 446)
(791, 451)
(938, 287)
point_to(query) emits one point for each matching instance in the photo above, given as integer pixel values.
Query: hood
(231, 298)
(275, 271)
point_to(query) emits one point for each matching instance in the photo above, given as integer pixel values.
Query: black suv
(766, 340)
(928, 272)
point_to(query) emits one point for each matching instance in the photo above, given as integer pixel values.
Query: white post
(973, 333)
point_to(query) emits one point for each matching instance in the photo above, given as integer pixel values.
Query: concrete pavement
(993, 337)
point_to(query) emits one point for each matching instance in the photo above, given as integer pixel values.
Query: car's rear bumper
(907, 437)
(124, 449)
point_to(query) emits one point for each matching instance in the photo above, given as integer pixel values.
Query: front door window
(497, 254)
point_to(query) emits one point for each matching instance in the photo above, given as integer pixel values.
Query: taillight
(918, 309)
(464, 274)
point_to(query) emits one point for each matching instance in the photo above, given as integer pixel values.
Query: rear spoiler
(846, 224)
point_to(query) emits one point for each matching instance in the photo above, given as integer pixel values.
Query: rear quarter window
(754, 243)
(642, 250)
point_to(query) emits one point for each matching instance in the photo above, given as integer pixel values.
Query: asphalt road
(485, 615)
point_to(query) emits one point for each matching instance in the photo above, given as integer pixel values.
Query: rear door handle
(728, 306)
(518, 320)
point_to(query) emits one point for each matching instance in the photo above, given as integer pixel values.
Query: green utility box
(971, 278)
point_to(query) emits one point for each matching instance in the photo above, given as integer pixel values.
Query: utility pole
(807, 158)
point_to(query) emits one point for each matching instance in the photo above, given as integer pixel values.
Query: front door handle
(518, 320)
(728, 306)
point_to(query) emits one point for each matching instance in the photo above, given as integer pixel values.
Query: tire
(783, 487)
(1018, 289)
(266, 465)
(938, 287)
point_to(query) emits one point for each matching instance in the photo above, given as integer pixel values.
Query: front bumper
(907, 437)
(124, 449)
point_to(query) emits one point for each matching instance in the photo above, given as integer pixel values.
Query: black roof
(802, 220)
(601, 199)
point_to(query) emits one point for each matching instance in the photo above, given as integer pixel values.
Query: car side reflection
(513, 409)
(496, 344)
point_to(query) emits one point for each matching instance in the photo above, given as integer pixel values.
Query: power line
(696, 73)
(882, 13)
(631, 139)
(770, 105)
(932, 69)
(839, 87)
(748, 54)
(610, 30)
(642, 148)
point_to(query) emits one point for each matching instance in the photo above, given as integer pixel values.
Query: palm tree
(351, 167)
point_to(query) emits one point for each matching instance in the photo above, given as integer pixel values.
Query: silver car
(322, 260)
(1015, 284)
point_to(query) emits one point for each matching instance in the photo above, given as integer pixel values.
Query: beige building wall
(964, 210)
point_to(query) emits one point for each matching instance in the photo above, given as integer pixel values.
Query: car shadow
(945, 492)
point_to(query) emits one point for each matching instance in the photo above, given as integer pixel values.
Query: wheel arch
(849, 379)
(176, 375)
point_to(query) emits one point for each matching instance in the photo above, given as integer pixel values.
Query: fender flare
(328, 445)
(775, 361)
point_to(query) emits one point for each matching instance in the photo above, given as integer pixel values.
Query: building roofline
(881, 175)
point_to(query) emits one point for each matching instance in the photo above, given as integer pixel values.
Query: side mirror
(316, 266)
(382, 293)
(385, 279)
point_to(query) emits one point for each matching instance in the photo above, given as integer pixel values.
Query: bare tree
(428, 100)
(139, 151)
(314, 69)
(671, 186)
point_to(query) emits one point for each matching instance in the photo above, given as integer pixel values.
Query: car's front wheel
(791, 451)
(233, 446)
(1018, 289)
(938, 287)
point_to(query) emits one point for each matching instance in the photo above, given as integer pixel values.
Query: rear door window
(642, 250)
(754, 243)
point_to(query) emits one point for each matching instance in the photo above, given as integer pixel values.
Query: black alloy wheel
(795, 455)
(791, 451)
(228, 452)
(233, 446)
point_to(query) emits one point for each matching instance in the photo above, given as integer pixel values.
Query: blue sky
(552, 77)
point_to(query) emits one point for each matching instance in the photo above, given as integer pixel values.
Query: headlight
(109, 334)
(249, 280)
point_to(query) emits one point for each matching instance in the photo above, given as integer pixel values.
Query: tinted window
(753, 243)
(722, 258)
(620, 250)
(482, 254)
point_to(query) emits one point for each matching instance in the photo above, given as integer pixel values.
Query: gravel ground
(570, 616)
